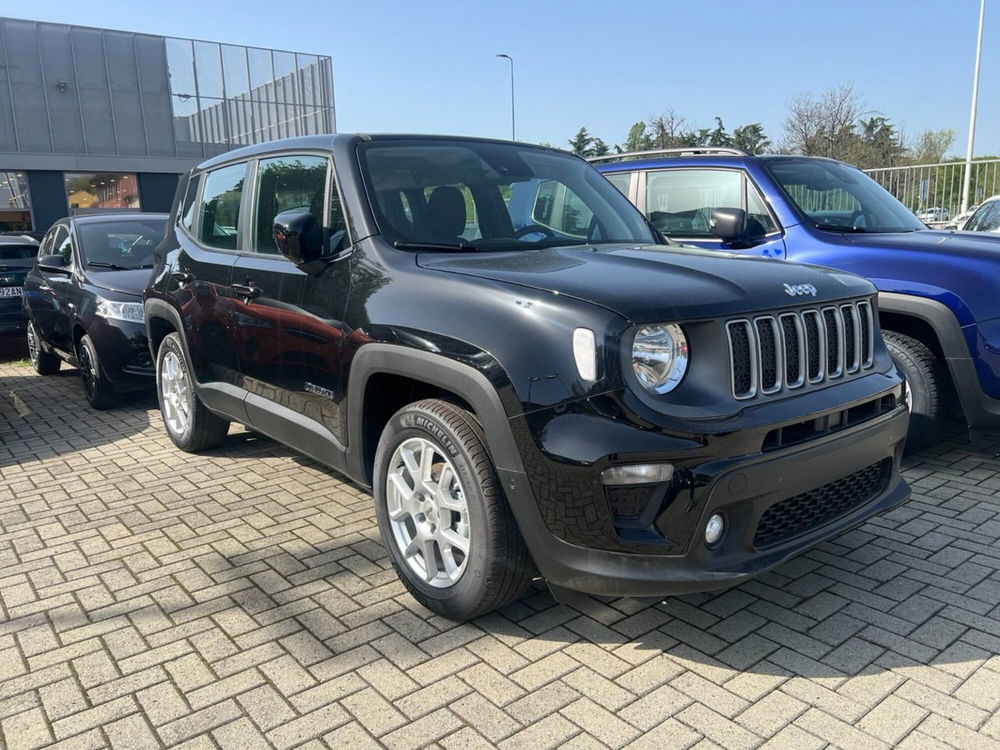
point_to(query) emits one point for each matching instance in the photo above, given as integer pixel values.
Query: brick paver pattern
(242, 599)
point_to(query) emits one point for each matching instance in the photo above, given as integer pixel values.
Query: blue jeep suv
(939, 307)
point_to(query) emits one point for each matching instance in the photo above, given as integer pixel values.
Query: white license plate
(11, 291)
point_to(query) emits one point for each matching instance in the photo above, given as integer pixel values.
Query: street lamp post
(510, 59)
(972, 114)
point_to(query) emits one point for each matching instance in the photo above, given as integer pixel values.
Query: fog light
(713, 530)
(638, 474)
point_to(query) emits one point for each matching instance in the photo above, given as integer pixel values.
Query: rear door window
(219, 219)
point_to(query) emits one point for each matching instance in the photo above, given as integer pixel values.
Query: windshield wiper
(114, 266)
(842, 228)
(448, 247)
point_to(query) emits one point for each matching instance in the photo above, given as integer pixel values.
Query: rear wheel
(449, 531)
(926, 389)
(190, 425)
(43, 362)
(96, 387)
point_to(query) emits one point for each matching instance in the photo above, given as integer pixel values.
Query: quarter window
(621, 181)
(62, 245)
(220, 207)
(759, 221)
(189, 210)
(287, 183)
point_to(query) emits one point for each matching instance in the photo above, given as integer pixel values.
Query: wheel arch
(386, 377)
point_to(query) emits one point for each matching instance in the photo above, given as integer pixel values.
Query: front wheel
(96, 387)
(190, 425)
(449, 531)
(926, 393)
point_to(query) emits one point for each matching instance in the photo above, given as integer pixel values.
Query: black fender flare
(438, 370)
(979, 409)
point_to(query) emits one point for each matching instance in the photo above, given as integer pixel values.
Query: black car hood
(658, 283)
(978, 244)
(124, 282)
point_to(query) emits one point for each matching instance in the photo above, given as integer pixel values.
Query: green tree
(638, 139)
(931, 146)
(751, 138)
(582, 144)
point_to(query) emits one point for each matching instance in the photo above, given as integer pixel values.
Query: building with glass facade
(98, 120)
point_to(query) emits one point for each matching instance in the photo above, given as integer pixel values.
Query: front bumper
(742, 489)
(123, 350)
(12, 318)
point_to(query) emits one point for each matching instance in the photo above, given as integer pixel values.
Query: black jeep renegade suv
(531, 381)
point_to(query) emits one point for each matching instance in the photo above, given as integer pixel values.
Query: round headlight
(660, 357)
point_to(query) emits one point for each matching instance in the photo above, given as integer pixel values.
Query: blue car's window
(841, 198)
(477, 195)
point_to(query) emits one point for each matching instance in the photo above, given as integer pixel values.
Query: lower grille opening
(809, 510)
(810, 429)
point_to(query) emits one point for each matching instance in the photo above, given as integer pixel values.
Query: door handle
(247, 290)
(182, 277)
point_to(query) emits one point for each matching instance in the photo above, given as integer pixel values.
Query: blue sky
(429, 65)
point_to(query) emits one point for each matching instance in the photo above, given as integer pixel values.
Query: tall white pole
(510, 59)
(972, 113)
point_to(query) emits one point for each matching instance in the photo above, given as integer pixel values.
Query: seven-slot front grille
(771, 353)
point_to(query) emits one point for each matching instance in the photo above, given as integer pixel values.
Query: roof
(123, 216)
(694, 159)
(325, 142)
(17, 239)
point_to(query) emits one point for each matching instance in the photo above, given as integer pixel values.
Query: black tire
(43, 362)
(202, 429)
(927, 383)
(99, 392)
(498, 566)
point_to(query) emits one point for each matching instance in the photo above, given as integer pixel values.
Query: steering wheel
(858, 214)
(531, 229)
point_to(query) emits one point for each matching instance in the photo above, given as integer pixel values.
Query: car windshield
(120, 244)
(838, 197)
(455, 195)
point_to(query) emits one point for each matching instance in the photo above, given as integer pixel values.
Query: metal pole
(972, 114)
(510, 59)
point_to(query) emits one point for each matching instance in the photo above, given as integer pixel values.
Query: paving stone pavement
(241, 599)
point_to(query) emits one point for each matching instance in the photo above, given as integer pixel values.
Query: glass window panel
(235, 73)
(208, 66)
(759, 221)
(220, 207)
(92, 190)
(287, 183)
(14, 190)
(129, 244)
(680, 202)
(260, 67)
(180, 66)
(189, 212)
(621, 181)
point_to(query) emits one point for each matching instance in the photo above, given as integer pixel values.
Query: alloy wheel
(175, 394)
(428, 512)
(32, 344)
(88, 371)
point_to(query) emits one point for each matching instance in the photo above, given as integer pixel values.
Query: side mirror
(298, 236)
(729, 224)
(53, 264)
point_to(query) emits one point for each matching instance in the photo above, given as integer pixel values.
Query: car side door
(49, 300)
(200, 266)
(679, 202)
(288, 321)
